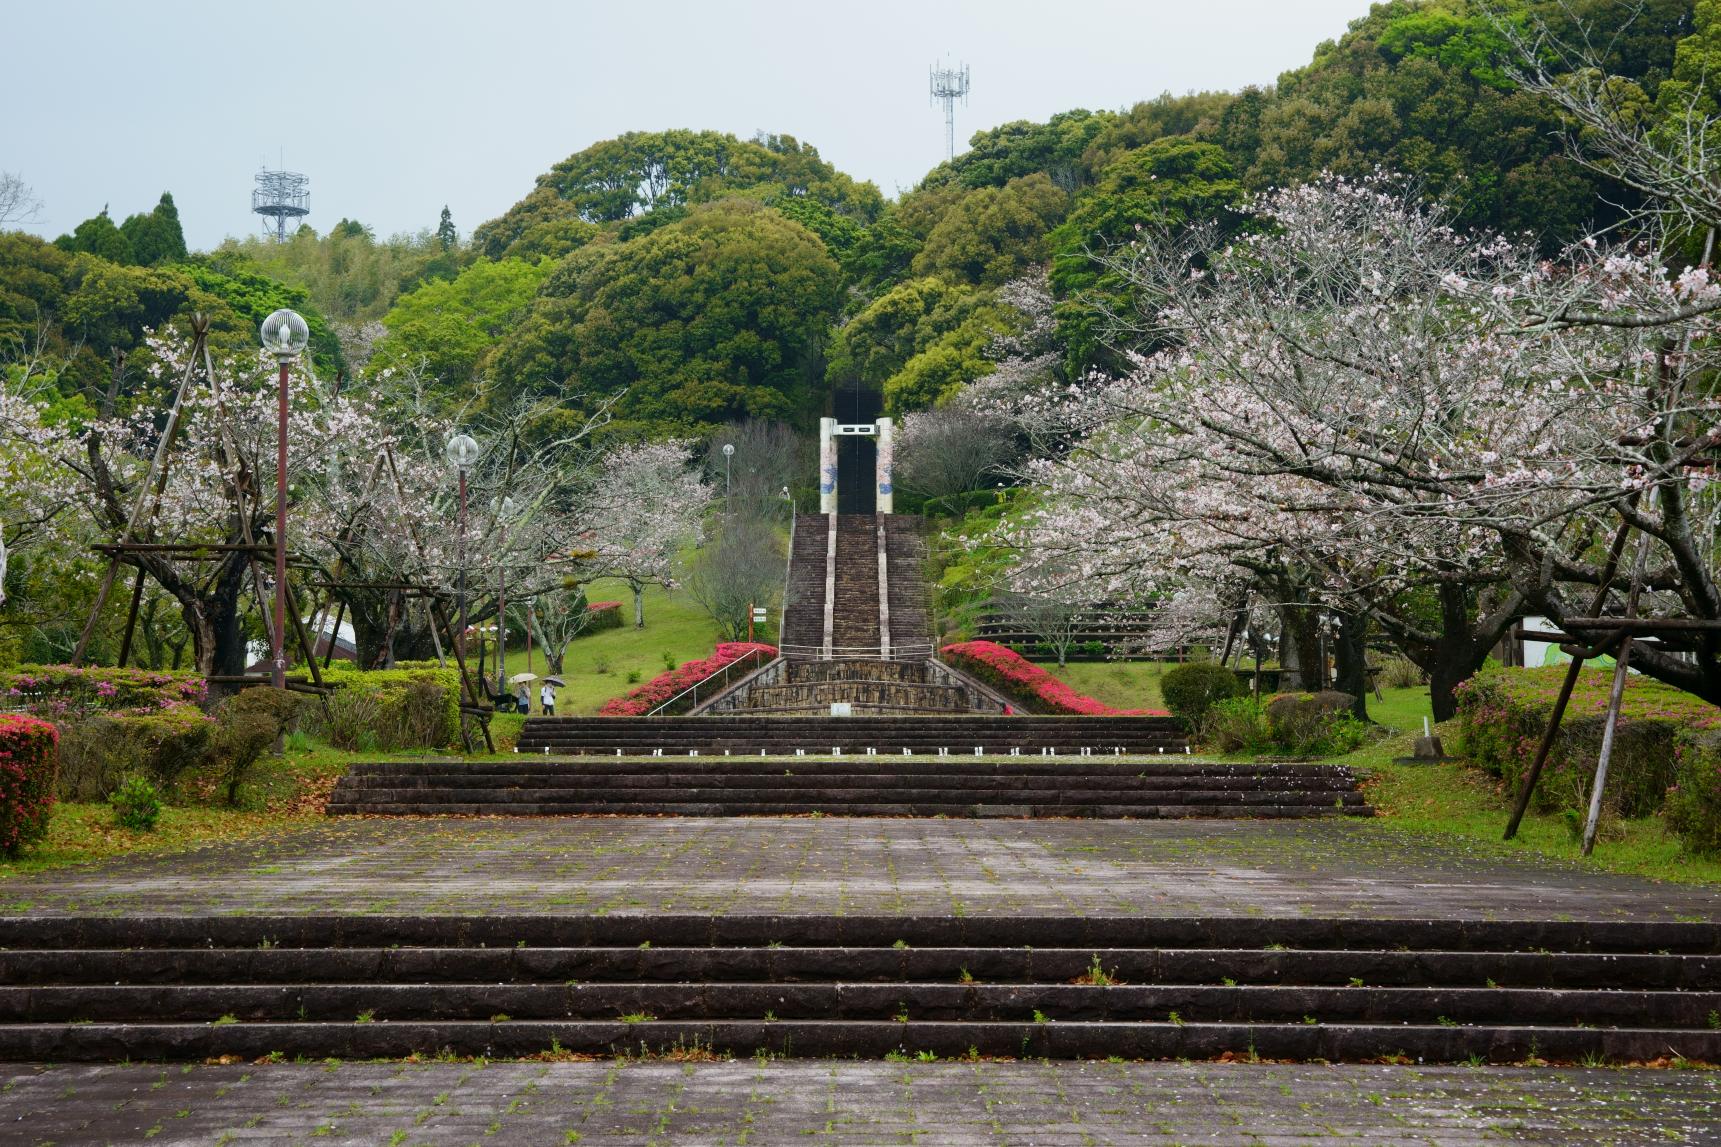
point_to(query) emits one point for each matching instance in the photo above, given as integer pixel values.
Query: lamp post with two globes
(285, 335)
(462, 453)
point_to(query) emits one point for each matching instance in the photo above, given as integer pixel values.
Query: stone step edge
(1182, 967)
(1052, 1040)
(742, 932)
(835, 809)
(717, 1001)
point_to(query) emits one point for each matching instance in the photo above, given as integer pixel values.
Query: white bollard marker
(693, 752)
(979, 750)
(1015, 750)
(800, 752)
(871, 751)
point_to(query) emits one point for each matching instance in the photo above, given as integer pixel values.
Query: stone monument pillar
(886, 466)
(827, 465)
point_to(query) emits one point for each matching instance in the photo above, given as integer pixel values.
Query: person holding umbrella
(522, 694)
(547, 695)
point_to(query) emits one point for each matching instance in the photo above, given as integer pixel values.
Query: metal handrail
(752, 655)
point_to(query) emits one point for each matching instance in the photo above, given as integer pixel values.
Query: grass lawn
(280, 792)
(1120, 684)
(598, 664)
(1458, 800)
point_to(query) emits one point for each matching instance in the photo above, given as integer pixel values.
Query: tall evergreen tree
(98, 236)
(156, 237)
(445, 232)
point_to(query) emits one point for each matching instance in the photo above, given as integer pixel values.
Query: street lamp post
(285, 335)
(505, 512)
(462, 453)
(728, 453)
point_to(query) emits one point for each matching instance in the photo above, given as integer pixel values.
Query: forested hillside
(713, 278)
(669, 283)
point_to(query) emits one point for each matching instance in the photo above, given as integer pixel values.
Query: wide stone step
(894, 937)
(1054, 1039)
(1166, 768)
(578, 782)
(1229, 810)
(1376, 968)
(969, 1003)
(819, 797)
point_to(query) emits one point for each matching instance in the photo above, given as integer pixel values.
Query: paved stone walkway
(854, 866)
(772, 1102)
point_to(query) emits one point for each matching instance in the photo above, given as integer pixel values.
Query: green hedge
(1502, 714)
(56, 690)
(97, 753)
(1190, 690)
(386, 709)
(1694, 801)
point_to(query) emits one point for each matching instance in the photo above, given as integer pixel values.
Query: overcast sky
(396, 108)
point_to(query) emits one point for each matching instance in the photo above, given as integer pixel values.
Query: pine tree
(445, 232)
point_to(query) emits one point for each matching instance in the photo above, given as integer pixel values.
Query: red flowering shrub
(642, 699)
(29, 759)
(1020, 678)
(603, 615)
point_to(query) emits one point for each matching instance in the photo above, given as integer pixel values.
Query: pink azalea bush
(29, 762)
(59, 690)
(642, 699)
(1020, 678)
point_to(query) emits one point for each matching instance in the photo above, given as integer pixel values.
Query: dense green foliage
(715, 316)
(1190, 690)
(641, 171)
(1502, 715)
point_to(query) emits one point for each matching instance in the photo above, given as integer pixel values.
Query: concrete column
(827, 465)
(886, 467)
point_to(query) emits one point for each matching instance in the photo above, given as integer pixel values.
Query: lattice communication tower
(948, 86)
(278, 197)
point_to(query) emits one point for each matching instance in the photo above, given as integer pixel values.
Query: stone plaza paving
(834, 866)
(800, 1101)
(838, 866)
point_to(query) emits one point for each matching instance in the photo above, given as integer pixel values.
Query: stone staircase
(752, 735)
(855, 621)
(804, 609)
(951, 786)
(908, 595)
(366, 986)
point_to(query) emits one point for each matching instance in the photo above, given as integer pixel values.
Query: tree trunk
(1350, 657)
(638, 588)
(1299, 649)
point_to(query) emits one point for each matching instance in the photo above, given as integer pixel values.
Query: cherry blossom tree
(640, 506)
(1365, 401)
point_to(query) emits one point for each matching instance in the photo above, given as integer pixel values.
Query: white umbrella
(522, 678)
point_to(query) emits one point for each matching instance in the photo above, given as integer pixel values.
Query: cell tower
(948, 86)
(278, 197)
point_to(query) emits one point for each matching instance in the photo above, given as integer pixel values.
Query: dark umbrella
(556, 681)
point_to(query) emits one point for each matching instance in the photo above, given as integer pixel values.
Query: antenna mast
(948, 86)
(278, 197)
